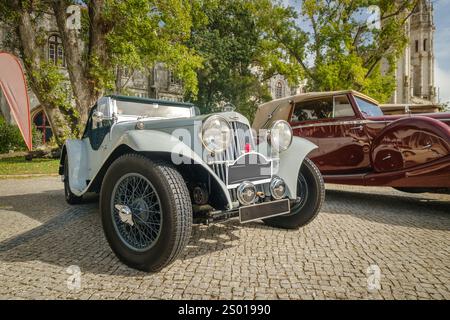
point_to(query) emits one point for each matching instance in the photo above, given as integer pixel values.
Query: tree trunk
(32, 61)
(82, 87)
(83, 83)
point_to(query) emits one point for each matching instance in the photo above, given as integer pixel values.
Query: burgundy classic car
(359, 145)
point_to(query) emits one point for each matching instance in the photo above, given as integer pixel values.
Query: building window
(174, 79)
(279, 90)
(41, 123)
(417, 46)
(55, 50)
(425, 43)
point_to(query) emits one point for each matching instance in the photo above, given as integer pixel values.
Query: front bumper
(208, 217)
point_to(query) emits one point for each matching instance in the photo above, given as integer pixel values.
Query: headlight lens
(280, 135)
(216, 134)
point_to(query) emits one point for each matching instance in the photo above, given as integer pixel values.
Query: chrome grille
(241, 135)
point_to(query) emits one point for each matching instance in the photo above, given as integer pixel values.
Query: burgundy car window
(313, 110)
(342, 107)
(368, 109)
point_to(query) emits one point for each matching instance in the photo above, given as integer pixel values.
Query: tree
(238, 59)
(337, 49)
(149, 31)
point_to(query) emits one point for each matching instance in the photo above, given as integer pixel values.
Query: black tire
(175, 212)
(311, 189)
(70, 197)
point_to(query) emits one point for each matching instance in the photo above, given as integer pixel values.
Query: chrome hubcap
(136, 212)
(125, 214)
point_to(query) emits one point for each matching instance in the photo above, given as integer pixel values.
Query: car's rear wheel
(311, 191)
(70, 197)
(146, 212)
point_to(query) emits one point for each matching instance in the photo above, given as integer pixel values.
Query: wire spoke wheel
(146, 212)
(136, 210)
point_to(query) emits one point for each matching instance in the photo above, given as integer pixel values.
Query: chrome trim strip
(336, 123)
(339, 123)
(258, 182)
(353, 122)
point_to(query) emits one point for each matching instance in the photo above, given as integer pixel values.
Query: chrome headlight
(280, 135)
(216, 134)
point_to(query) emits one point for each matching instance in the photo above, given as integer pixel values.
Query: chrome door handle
(360, 127)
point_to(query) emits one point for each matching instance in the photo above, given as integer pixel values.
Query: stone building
(157, 82)
(415, 69)
(280, 88)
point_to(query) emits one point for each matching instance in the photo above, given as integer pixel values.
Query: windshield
(368, 109)
(127, 108)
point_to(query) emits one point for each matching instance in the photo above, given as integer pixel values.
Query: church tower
(422, 52)
(415, 69)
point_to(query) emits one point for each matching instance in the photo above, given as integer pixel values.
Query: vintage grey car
(160, 166)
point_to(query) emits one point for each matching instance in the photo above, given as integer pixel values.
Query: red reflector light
(248, 148)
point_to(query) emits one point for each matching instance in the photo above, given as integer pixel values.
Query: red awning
(14, 88)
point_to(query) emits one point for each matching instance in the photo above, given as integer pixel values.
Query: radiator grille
(241, 135)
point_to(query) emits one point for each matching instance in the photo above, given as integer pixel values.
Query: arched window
(55, 50)
(279, 90)
(41, 122)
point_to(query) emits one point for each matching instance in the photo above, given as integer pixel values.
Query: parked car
(159, 166)
(358, 145)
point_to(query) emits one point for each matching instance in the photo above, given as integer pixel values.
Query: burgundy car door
(332, 124)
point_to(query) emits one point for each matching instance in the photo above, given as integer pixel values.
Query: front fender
(161, 142)
(290, 162)
(77, 161)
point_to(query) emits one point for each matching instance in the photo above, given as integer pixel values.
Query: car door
(95, 137)
(332, 124)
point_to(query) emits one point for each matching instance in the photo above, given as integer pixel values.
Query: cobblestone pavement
(406, 236)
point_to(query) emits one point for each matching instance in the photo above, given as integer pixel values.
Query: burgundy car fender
(410, 142)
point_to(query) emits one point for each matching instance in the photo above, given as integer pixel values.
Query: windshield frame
(186, 111)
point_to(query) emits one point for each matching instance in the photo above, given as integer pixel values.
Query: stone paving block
(406, 236)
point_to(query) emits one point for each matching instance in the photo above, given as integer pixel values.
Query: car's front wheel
(146, 212)
(311, 191)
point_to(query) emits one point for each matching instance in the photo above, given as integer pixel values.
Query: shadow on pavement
(72, 235)
(402, 210)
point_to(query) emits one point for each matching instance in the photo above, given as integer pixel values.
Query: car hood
(163, 124)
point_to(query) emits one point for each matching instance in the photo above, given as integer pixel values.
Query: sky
(441, 45)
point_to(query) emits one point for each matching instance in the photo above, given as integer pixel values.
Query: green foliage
(224, 51)
(114, 34)
(53, 86)
(11, 138)
(339, 51)
(238, 57)
(150, 32)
